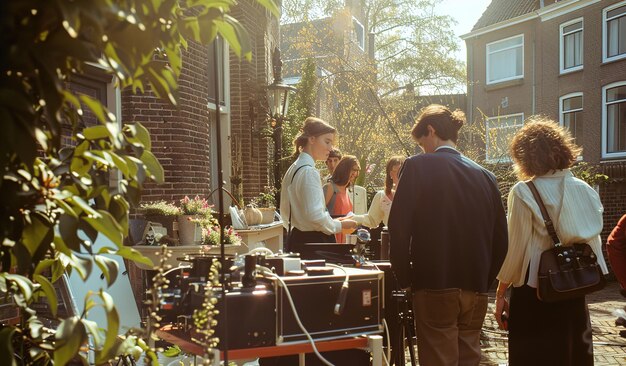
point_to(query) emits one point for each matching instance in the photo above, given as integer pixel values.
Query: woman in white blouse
(381, 203)
(301, 198)
(543, 333)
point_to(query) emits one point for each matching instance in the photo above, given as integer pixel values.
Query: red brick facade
(542, 85)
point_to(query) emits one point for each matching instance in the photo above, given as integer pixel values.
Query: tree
(50, 192)
(368, 99)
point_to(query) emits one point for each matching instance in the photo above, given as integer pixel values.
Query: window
(571, 46)
(614, 32)
(505, 59)
(499, 131)
(614, 120)
(571, 115)
(359, 33)
(222, 62)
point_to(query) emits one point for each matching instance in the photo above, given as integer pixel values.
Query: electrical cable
(343, 292)
(266, 271)
(387, 357)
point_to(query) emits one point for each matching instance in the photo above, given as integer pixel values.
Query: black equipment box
(315, 299)
(250, 313)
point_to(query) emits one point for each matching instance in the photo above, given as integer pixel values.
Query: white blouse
(304, 199)
(575, 210)
(379, 211)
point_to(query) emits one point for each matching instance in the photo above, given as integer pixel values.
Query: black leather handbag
(565, 272)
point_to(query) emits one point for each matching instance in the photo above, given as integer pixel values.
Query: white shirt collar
(445, 147)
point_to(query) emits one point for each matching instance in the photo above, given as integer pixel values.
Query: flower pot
(189, 232)
(268, 214)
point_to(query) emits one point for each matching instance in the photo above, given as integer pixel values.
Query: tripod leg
(411, 336)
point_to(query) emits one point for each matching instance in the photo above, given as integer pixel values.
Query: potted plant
(211, 236)
(163, 213)
(266, 203)
(192, 210)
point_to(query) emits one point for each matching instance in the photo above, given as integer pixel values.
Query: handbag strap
(544, 213)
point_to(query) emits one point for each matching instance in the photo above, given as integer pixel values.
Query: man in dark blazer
(448, 236)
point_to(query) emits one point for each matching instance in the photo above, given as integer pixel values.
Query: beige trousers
(448, 324)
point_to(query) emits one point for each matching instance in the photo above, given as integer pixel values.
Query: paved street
(608, 347)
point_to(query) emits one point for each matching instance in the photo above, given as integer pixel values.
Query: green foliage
(302, 105)
(267, 198)
(160, 208)
(211, 235)
(204, 317)
(51, 192)
(589, 173)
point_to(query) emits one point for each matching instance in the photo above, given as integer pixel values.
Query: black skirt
(298, 238)
(542, 333)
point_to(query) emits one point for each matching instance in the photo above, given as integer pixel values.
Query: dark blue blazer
(447, 224)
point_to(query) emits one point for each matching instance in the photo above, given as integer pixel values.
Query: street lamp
(278, 101)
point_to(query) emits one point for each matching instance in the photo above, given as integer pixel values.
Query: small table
(270, 234)
(177, 336)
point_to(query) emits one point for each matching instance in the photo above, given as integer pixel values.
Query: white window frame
(225, 127)
(562, 68)
(487, 63)
(487, 142)
(360, 41)
(562, 112)
(605, 153)
(605, 51)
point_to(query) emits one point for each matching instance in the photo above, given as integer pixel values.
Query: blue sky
(466, 13)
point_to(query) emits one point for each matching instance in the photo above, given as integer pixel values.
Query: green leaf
(95, 331)
(68, 228)
(271, 6)
(48, 289)
(82, 265)
(6, 345)
(80, 202)
(142, 134)
(96, 107)
(108, 267)
(119, 163)
(113, 323)
(106, 224)
(24, 285)
(154, 167)
(43, 265)
(96, 132)
(70, 336)
(37, 233)
(128, 253)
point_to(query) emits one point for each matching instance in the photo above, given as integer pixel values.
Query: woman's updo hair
(312, 127)
(542, 146)
(445, 122)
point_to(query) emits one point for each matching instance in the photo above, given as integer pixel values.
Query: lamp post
(278, 101)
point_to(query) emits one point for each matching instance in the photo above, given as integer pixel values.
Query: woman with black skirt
(542, 333)
(302, 204)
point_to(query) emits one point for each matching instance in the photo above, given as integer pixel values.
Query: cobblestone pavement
(608, 347)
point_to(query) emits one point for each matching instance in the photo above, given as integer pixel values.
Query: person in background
(331, 162)
(302, 198)
(542, 333)
(381, 203)
(447, 231)
(616, 250)
(336, 190)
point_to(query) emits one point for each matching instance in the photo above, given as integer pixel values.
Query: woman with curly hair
(542, 333)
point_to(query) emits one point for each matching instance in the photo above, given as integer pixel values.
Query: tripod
(406, 329)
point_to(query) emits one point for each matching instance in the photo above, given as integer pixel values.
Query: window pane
(616, 36)
(505, 64)
(499, 133)
(617, 93)
(494, 47)
(572, 50)
(616, 12)
(211, 70)
(572, 27)
(572, 103)
(616, 128)
(574, 122)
